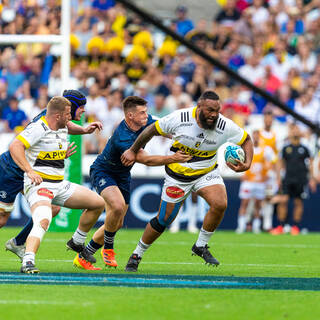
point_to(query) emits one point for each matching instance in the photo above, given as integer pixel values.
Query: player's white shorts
(175, 191)
(55, 193)
(252, 190)
(271, 184)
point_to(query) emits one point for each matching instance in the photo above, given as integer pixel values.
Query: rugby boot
(205, 254)
(29, 268)
(133, 263)
(108, 256)
(80, 248)
(295, 231)
(82, 263)
(17, 250)
(278, 230)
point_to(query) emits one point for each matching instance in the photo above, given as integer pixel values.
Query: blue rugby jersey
(121, 140)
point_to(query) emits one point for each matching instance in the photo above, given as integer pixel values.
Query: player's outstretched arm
(247, 147)
(129, 156)
(156, 160)
(17, 151)
(75, 129)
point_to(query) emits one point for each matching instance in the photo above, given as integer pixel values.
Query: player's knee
(41, 217)
(219, 206)
(100, 205)
(55, 210)
(155, 224)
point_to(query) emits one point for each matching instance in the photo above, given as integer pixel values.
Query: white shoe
(17, 250)
(240, 231)
(193, 229)
(256, 231)
(174, 229)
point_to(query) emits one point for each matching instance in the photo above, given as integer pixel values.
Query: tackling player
(198, 131)
(111, 179)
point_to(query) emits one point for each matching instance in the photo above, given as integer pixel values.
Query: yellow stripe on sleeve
(24, 141)
(158, 128)
(244, 137)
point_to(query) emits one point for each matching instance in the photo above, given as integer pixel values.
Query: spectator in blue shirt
(103, 5)
(14, 77)
(13, 115)
(183, 25)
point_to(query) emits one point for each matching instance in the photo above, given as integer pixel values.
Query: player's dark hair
(211, 95)
(132, 102)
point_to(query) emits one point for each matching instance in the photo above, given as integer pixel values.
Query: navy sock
(21, 238)
(108, 239)
(93, 246)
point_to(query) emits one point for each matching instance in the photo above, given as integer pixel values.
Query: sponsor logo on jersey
(185, 125)
(45, 193)
(44, 126)
(102, 182)
(210, 141)
(52, 155)
(3, 194)
(174, 192)
(193, 152)
(184, 116)
(201, 135)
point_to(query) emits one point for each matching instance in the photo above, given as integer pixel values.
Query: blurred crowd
(275, 44)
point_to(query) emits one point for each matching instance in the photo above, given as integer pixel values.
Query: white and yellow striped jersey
(201, 143)
(45, 149)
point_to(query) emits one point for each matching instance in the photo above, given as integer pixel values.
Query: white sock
(192, 218)
(28, 256)
(242, 223)
(141, 248)
(204, 237)
(79, 237)
(267, 211)
(256, 225)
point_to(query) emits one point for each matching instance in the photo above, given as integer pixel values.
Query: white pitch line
(198, 263)
(233, 244)
(45, 302)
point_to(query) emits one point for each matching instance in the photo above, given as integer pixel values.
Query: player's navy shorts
(10, 185)
(102, 179)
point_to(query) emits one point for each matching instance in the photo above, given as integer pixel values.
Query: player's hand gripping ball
(233, 153)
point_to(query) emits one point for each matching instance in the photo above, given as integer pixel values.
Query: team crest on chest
(197, 144)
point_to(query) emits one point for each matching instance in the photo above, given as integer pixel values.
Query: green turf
(240, 255)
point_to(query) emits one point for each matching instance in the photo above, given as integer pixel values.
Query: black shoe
(205, 254)
(75, 247)
(29, 268)
(86, 255)
(133, 263)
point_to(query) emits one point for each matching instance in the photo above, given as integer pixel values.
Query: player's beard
(205, 124)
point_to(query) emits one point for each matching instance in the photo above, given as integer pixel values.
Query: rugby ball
(233, 153)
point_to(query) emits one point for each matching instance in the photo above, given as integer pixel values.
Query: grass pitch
(245, 255)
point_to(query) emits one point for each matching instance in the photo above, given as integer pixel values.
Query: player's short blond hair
(57, 105)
